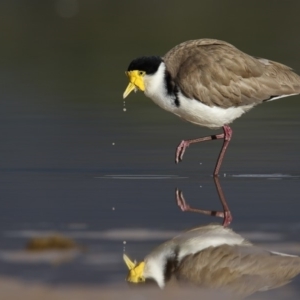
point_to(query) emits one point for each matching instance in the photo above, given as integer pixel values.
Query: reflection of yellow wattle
(136, 270)
(136, 81)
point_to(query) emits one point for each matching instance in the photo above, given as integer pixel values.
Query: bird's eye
(141, 73)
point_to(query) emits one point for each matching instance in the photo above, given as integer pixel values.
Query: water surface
(72, 161)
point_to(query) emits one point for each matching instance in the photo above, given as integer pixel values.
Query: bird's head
(136, 270)
(138, 71)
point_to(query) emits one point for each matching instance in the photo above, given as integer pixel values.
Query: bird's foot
(227, 218)
(180, 150)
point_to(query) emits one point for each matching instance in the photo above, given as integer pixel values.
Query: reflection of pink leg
(225, 214)
(226, 136)
(185, 207)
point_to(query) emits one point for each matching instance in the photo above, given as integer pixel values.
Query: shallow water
(72, 161)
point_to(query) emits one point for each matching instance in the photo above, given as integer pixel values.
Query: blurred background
(73, 162)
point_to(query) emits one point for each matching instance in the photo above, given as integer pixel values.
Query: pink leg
(226, 136)
(225, 214)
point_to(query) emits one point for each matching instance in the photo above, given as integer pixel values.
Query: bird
(214, 257)
(210, 83)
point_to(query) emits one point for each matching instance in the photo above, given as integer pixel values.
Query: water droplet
(124, 109)
(124, 242)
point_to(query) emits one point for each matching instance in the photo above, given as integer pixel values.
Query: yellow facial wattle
(136, 81)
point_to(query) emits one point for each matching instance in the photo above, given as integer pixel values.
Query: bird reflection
(217, 258)
(225, 214)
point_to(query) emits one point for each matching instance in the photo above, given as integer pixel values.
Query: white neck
(155, 89)
(154, 84)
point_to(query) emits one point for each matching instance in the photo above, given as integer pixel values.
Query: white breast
(209, 116)
(190, 109)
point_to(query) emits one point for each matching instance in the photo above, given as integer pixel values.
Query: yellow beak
(136, 81)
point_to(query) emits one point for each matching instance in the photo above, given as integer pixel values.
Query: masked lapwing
(210, 83)
(216, 258)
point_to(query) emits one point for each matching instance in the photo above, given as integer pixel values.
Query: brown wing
(240, 270)
(216, 73)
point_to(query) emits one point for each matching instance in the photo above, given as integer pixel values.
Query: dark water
(73, 162)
